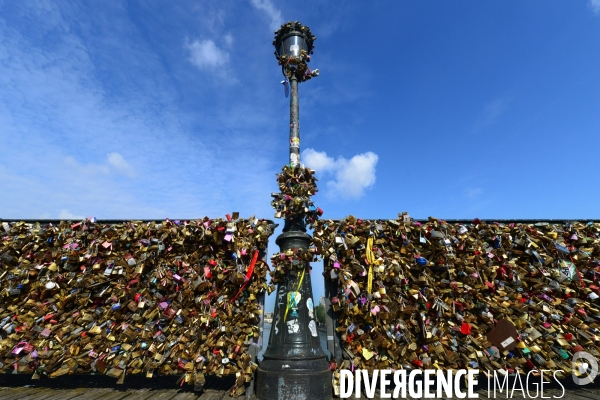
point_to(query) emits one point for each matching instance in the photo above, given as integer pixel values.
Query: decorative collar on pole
(297, 185)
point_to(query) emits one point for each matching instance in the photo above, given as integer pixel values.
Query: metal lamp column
(294, 365)
(294, 122)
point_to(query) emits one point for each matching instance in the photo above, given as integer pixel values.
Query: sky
(174, 109)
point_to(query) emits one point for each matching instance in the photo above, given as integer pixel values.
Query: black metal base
(294, 380)
(291, 239)
(294, 365)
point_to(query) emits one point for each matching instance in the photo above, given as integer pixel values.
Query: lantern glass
(292, 45)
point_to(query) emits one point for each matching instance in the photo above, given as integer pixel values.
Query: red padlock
(530, 364)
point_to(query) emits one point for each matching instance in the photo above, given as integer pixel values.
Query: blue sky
(454, 109)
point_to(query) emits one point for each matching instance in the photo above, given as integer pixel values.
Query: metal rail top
(486, 220)
(116, 221)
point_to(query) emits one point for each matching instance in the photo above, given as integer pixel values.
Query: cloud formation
(115, 163)
(595, 4)
(318, 160)
(83, 115)
(272, 13)
(118, 163)
(205, 54)
(351, 177)
(68, 216)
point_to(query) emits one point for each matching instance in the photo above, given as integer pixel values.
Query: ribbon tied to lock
(371, 261)
(292, 297)
(248, 275)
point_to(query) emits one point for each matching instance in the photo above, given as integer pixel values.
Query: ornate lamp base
(279, 379)
(294, 366)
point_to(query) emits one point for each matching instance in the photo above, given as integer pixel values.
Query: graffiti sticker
(293, 326)
(313, 328)
(294, 159)
(293, 299)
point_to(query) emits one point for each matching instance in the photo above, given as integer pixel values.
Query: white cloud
(595, 4)
(86, 169)
(355, 175)
(117, 161)
(66, 215)
(72, 93)
(352, 177)
(205, 54)
(273, 13)
(318, 160)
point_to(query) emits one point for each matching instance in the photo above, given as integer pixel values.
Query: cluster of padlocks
(181, 297)
(293, 201)
(480, 295)
(167, 297)
(297, 185)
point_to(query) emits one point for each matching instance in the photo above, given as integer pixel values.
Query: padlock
(102, 303)
(465, 276)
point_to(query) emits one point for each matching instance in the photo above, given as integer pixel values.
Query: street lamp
(292, 43)
(293, 47)
(294, 366)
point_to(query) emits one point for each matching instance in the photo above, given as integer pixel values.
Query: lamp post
(293, 47)
(294, 365)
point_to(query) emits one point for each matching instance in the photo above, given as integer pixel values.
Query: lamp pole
(294, 122)
(294, 366)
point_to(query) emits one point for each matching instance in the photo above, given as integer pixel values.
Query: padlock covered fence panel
(138, 297)
(487, 295)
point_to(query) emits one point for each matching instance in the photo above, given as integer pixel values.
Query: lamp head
(291, 39)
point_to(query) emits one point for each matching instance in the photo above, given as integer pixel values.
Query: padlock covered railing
(137, 297)
(489, 295)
